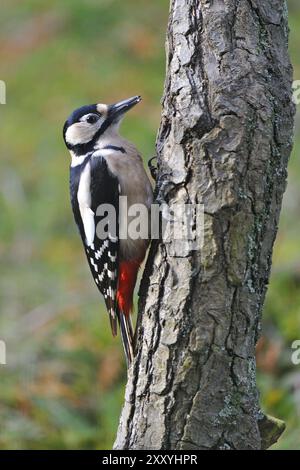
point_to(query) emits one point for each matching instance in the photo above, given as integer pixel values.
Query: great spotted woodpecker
(105, 166)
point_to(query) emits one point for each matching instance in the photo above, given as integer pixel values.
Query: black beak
(117, 110)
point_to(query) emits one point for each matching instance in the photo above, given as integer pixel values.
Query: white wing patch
(84, 201)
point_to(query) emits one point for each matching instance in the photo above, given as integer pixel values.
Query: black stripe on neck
(115, 147)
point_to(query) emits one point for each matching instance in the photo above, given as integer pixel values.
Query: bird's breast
(135, 204)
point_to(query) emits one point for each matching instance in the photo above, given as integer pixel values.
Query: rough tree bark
(224, 140)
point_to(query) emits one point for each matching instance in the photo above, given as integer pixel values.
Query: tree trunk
(224, 140)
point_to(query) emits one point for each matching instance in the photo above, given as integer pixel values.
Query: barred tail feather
(113, 324)
(127, 336)
(113, 315)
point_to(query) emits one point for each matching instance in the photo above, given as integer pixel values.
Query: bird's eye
(92, 119)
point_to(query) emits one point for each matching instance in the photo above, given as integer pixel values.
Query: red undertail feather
(127, 278)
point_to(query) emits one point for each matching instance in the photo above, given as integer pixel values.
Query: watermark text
(2, 352)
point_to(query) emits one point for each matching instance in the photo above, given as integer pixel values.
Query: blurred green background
(64, 382)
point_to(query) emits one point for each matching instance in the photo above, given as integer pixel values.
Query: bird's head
(87, 125)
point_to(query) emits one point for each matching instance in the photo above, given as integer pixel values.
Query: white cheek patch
(79, 133)
(82, 132)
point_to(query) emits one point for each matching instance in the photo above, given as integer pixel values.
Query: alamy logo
(296, 354)
(296, 92)
(2, 353)
(2, 92)
(180, 225)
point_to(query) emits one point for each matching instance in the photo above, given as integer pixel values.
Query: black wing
(103, 253)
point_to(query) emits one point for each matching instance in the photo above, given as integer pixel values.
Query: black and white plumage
(103, 167)
(102, 255)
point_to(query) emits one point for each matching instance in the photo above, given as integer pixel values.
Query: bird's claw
(153, 168)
